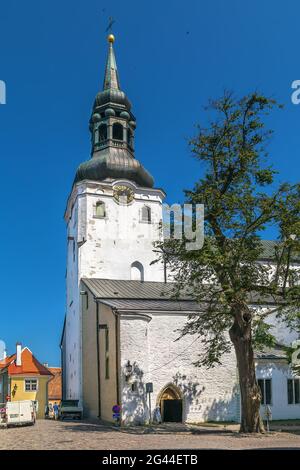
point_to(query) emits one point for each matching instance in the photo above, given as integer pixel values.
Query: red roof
(30, 365)
(6, 361)
(54, 385)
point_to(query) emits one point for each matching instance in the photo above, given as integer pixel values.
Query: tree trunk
(241, 337)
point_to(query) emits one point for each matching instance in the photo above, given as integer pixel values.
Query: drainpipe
(118, 368)
(165, 269)
(117, 332)
(98, 360)
(62, 373)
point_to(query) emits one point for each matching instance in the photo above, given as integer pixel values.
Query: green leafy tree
(227, 276)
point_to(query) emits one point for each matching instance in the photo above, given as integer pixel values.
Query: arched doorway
(170, 403)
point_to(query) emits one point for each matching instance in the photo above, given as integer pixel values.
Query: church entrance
(170, 403)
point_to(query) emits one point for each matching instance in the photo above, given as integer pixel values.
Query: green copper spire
(111, 79)
(112, 126)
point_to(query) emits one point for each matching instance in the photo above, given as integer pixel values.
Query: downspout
(165, 269)
(63, 370)
(98, 360)
(117, 332)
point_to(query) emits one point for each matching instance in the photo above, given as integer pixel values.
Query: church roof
(148, 295)
(114, 163)
(278, 351)
(121, 289)
(153, 305)
(137, 295)
(269, 251)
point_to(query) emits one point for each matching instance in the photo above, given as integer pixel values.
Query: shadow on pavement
(163, 429)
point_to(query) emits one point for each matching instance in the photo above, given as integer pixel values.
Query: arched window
(102, 132)
(117, 131)
(137, 271)
(129, 137)
(146, 214)
(100, 209)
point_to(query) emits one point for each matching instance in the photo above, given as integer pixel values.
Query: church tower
(113, 213)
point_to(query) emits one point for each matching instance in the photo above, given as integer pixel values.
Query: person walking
(55, 411)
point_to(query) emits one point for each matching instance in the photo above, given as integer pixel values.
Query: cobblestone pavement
(86, 435)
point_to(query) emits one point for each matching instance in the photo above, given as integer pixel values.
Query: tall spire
(112, 126)
(111, 78)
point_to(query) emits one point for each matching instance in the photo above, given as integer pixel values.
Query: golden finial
(111, 38)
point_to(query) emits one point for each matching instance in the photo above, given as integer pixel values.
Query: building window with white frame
(265, 386)
(146, 214)
(100, 210)
(293, 391)
(31, 385)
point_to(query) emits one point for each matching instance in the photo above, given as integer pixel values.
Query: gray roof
(154, 291)
(276, 352)
(120, 289)
(136, 295)
(153, 305)
(269, 251)
(114, 163)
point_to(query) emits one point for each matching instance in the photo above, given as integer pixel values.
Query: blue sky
(172, 57)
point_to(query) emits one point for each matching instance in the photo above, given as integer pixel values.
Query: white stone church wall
(208, 394)
(104, 248)
(282, 333)
(72, 373)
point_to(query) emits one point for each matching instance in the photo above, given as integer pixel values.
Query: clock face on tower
(123, 194)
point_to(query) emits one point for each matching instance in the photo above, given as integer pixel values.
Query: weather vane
(110, 24)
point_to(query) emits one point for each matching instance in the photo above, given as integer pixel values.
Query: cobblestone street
(84, 435)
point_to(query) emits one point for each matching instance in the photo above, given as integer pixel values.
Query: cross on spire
(111, 21)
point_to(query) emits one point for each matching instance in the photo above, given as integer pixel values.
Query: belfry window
(117, 131)
(129, 137)
(102, 132)
(100, 209)
(146, 215)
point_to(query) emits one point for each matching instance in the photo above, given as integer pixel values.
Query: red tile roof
(30, 365)
(6, 361)
(54, 385)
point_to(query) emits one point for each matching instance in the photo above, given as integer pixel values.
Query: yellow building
(23, 377)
